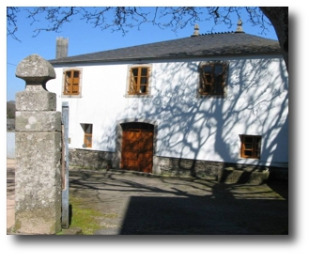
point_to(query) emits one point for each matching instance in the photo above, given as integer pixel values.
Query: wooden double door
(137, 147)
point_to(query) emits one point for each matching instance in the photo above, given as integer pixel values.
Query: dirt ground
(132, 203)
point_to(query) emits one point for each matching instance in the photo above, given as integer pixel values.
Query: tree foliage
(125, 18)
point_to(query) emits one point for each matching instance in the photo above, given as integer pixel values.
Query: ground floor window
(88, 135)
(250, 146)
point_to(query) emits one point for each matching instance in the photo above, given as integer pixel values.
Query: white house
(195, 105)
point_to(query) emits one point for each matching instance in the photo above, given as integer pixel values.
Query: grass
(86, 219)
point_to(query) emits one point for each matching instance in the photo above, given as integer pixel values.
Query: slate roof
(205, 45)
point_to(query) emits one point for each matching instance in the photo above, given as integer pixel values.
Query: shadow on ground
(144, 205)
(131, 203)
(204, 216)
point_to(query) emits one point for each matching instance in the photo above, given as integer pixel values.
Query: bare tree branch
(125, 18)
(56, 16)
(11, 16)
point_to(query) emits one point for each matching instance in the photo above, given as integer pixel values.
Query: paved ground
(132, 203)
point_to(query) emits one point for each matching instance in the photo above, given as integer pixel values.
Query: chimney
(196, 30)
(239, 27)
(61, 47)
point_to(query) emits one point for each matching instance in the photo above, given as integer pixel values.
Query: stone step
(233, 176)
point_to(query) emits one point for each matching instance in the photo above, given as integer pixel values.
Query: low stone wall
(174, 167)
(93, 159)
(228, 173)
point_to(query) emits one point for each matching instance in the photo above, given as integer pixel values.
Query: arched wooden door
(137, 147)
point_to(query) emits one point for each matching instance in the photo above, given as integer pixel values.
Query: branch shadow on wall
(203, 128)
(188, 124)
(194, 127)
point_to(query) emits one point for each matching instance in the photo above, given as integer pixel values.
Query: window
(213, 76)
(88, 135)
(139, 80)
(72, 82)
(250, 146)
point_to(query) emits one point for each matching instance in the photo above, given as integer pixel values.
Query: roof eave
(163, 58)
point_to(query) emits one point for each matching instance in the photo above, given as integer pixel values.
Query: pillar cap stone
(35, 70)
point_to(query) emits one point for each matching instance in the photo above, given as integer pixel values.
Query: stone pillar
(38, 151)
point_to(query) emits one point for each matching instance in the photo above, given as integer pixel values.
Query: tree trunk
(278, 16)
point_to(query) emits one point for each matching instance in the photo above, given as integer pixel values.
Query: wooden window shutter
(250, 146)
(219, 74)
(213, 78)
(67, 85)
(144, 80)
(72, 82)
(139, 80)
(207, 77)
(133, 87)
(75, 82)
(88, 135)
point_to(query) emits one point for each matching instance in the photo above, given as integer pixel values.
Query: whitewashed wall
(256, 103)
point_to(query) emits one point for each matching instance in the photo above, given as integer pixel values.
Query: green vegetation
(86, 219)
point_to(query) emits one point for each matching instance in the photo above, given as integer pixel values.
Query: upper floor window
(139, 80)
(72, 82)
(213, 78)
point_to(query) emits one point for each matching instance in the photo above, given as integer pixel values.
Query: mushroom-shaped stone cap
(35, 70)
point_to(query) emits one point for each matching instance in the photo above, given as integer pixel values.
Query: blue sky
(83, 38)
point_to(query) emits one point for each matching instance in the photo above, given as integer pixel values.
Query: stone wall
(93, 159)
(175, 167)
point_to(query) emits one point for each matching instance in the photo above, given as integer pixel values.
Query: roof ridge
(217, 33)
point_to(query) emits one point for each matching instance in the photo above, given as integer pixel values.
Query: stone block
(38, 153)
(233, 177)
(38, 182)
(35, 70)
(258, 177)
(38, 221)
(38, 121)
(35, 101)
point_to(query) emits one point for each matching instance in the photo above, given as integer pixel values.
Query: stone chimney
(196, 30)
(61, 47)
(239, 27)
